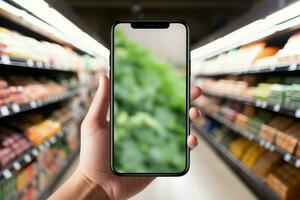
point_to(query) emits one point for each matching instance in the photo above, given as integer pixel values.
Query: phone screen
(149, 102)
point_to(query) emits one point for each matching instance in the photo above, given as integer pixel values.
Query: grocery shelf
(33, 152)
(257, 103)
(23, 17)
(13, 109)
(260, 189)
(293, 160)
(6, 61)
(50, 187)
(279, 69)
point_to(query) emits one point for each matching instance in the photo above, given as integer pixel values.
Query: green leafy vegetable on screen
(149, 110)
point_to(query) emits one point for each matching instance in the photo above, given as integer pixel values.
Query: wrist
(88, 188)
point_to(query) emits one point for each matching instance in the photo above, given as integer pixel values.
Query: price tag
(35, 152)
(297, 113)
(16, 107)
(258, 103)
(60, 133)
(16, 165)
(7, 173)
(47, 65)
(39, 102)
(53, 140)
(5, 60)
(4, 111)
(27, 158)
(272, 148)
(264, 104)
(262, 143)
(251, 136)
(47, 144)
(297, 163)
(39, 64)
(276, 107)
(287, 157)
(292, 67)
(273, 68)
(33, 104)
(30, 63)
(268, 145)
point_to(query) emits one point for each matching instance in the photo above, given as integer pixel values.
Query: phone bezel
(111, 74)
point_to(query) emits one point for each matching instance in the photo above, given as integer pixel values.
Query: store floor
(208, 179)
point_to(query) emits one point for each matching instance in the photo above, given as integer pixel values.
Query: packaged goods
(18, 46)
(266, 164)
(288, 54)
(285, 181)
(12, 145)
(241, 121)
(277, 94)
(262, 91)
(238, 147)
(252, 155)
(279, 123)
(254, 123)
(292, 96)
(289, 139)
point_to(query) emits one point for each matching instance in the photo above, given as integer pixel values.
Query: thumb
(99, 107)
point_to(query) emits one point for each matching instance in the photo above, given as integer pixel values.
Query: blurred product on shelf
(251, 56)
(251, 155)
(277, 129)
(254, 123)
(38, 127)
(21, 89)
(25, 180)
(289, 139)
(270, 130)
(239, 146)
(17, 46)
(285, 181)
(246, 89)
(266, 164)
(289, 54)
(12, 144)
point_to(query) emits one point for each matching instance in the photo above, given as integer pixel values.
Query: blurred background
(245, 56)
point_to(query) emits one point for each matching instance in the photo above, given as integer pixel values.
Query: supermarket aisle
(208, 179)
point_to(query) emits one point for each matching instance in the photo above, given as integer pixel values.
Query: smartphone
(150, 86)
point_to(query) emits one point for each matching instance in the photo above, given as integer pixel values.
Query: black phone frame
(149, 24)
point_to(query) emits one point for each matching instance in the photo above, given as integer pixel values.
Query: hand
(95, 147)
(93, 178)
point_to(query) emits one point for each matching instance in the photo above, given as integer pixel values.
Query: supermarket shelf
(13, 109)
(50, 187)
(258, 103)
(293, 160)
(33, 152)
(10, 62)
(281, 69)
(260, 189)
